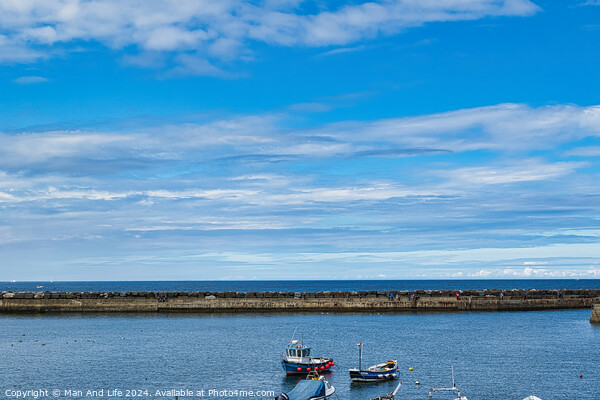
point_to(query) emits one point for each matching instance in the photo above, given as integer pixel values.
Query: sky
(290, 139)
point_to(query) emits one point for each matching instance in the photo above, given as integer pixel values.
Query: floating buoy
(298, 369)
(410, 368)
(322, 368)
(332, 363)
(308, 369)
(580, 376)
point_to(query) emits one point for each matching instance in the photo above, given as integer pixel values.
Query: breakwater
(356, 301)
(595, 317)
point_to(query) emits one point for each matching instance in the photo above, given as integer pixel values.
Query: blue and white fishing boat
(313, 387)
(377, 372)
(297, 360)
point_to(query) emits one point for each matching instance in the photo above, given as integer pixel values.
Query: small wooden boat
(297, 360)
(377, 372)
(314, 387)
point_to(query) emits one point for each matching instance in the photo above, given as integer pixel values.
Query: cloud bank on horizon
(303, 190)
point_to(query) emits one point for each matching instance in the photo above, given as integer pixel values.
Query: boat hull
(321, 365)
(375, 373)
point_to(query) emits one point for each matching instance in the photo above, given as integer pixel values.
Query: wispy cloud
(477, 191)
(590, 3)
(196, 35)
(28, 80)
(590, 151)
(518, 171)
(343, 50)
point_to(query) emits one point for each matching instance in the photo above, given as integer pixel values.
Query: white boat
(452, 389)
(389, 396)
(314, 387)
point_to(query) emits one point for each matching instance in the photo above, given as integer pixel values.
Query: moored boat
(374, 373)
(296, 359)
(313, 387)
(452, 389)
(389, 396)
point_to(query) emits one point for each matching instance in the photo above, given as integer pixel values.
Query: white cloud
(518, 171)
(250, 185)
(27, 80)
(500, 127)
(343, 50)
(590, 151)
(220, 29)
(590, 3)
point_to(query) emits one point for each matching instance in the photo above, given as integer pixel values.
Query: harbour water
(496, 356)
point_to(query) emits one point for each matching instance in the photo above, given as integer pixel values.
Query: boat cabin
(297, 350)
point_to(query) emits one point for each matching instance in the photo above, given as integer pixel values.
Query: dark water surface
(301, 286)
(503, 356)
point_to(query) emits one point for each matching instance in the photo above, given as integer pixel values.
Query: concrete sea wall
(360, 301)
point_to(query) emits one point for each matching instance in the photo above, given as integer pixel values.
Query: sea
(298, 286)
(489, 355)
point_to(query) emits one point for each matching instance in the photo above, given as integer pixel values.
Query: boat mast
(360, 356)
(293, 334)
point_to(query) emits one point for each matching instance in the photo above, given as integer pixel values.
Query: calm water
(302, 286)
(500, 356)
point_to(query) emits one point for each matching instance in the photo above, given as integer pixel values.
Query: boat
(377, 372)
(314, 387)
(296, 360)
(389, 396)
(452, 389)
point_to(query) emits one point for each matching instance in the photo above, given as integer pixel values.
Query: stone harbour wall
(358, 301)
(595, 318)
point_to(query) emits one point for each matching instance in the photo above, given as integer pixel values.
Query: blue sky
(289, 139)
